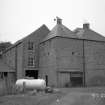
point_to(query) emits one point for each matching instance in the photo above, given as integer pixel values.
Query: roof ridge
(59, 30)
(88, 34)
(21, 40)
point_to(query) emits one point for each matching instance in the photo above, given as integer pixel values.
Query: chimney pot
(86, 26)
(59, 20)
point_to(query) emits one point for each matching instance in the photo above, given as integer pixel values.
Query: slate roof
(88, 34)
(79, 33)
(4, 67)
(40, 29)
(60, 30)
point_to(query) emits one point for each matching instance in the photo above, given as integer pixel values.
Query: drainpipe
(16, 62)
(84, 84)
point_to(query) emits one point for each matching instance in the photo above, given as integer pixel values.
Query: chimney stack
(59, 20)
(86, 26)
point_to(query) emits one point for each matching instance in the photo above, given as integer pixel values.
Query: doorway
(32, 73)
(64, 79)
(46, 76)
(76, 79)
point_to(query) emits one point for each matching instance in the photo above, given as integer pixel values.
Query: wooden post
(24, 87)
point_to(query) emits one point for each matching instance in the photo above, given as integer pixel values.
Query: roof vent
(86, 26)
(59, 20)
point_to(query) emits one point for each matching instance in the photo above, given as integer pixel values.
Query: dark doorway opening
(32, 73)
(76, 79)
(46, 76)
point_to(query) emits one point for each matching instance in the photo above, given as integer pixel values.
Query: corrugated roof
(60, 30)
(4, 67)
(88, 34)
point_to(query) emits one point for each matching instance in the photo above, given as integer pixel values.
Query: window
(30, 45)
(3, 75)
(30, 61)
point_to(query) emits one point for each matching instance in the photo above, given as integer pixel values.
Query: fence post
(24, 87)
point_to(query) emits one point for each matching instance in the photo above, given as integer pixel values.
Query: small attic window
(30, 45)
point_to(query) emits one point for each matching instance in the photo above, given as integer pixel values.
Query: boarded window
(30, 61)
(30, 45)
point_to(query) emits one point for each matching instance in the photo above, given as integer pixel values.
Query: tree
(4, 46)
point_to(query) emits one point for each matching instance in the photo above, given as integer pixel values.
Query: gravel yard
(66, 96)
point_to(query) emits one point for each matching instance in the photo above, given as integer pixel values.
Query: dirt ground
(65, 96)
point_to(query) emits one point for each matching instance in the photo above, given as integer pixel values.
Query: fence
(6, 87)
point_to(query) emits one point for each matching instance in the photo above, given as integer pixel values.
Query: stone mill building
(62, 57)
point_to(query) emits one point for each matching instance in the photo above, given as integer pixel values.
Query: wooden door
(63, 79)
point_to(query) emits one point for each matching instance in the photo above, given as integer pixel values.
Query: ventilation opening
(32, 73)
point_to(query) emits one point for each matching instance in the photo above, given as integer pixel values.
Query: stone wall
(47, 62)
(60, 55)
(95, 63)
(19, 62)
(69, 54)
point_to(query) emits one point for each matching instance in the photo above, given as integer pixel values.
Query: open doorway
(32, 73)
(76, 79)
(46, 76)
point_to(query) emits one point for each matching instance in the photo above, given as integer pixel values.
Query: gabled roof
(89, 34)
(60, 30)
(42, 29)
(79, 33)
(4, 67)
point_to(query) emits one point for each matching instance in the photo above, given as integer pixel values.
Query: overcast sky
(18, 18)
